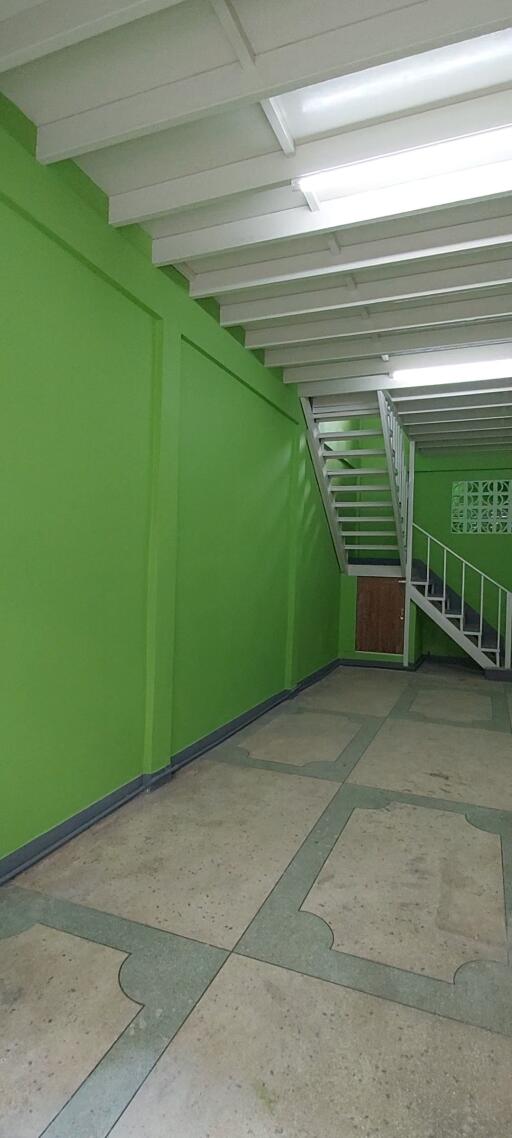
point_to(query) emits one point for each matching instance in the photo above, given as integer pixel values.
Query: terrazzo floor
(305, 933)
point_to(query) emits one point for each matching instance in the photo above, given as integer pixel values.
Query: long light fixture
(473, 152)
(455, 373)
(447, 71)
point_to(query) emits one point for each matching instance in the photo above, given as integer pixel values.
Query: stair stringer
(455, 634)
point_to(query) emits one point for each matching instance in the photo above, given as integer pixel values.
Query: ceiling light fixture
(421, 164)
(455, 373)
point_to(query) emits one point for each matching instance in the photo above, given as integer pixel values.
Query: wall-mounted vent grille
(482, 507)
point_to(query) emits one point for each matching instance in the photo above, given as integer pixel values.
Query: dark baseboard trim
(498, 674)
(195, 750)
(314, 677)
(33, 851)
(37, 848)
(348, 662)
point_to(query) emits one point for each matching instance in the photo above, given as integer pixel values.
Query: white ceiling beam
(441, 337)
(476, 429)
(395, 364)
(228, 18)
(390, 202)
(277, 120)
(447, 447)
(392, 319)
(486, 112)
(367, 384)
(468, 415)
(52, 25)
(350, 255)
(448, 397)
(369, 292)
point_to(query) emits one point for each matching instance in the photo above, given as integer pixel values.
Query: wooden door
(380, 614)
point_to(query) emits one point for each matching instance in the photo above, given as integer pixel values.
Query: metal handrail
(507, 636)
(458, 556)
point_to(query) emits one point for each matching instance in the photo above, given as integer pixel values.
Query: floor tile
(61, 1008)
(418, 889)
(440, 761)
(196, 857)
(364, 691)
(289, 737)
(460, 706)
(269, 1052)
(471, 678)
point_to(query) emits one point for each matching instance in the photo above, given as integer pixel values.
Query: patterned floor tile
(461, 763)
(288, 737)
(268, 1052)
(196, 857)
(418, 889)
(61, 1008)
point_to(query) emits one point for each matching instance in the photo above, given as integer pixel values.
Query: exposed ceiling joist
(424, 362)
(425, 240)
(393, 343)
(485, 112)
(308, 219)
(402, 29)
(353, 386)
(40, 29)
(374, 292)
(391, 319)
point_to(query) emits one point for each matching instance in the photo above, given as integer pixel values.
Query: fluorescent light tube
(455, 373)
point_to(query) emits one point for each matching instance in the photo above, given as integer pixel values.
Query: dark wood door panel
(380, 614)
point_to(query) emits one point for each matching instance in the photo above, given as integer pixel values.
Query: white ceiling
(198, 118)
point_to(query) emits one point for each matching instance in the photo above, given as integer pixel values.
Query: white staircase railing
(472, 607)
(397, 461)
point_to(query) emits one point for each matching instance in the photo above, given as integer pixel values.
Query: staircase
(471, 607)
(359, 453)
(361, 457)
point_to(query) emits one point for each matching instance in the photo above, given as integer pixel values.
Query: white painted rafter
(392, 343)
(393, 365)
(360, 323)
(51, 25)
(277, 119)
(471, 116)
(420, 284)
(403, 29)
(426, 239)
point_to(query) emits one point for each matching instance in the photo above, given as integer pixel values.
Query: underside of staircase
(354, 464)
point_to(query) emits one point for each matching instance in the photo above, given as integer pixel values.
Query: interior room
(256, 437)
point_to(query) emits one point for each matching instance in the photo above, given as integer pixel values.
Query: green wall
(166, 560)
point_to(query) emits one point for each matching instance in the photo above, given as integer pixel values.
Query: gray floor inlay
(414, 939)
(164, 973)
(281, 933)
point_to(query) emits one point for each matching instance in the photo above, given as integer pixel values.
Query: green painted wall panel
(75, 443)
(318, 576)
(233, 538)
(166, 562)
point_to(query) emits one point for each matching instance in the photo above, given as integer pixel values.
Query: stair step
(362, 471)
(352, 454)
(324, 415)
(348, 518)
(359, 547)
(360, 505)
(369, 533)
(326, 435)
(359, 490)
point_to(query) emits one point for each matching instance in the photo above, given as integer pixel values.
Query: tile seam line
(376, 996)
(97, 1064)
(308, 835)
(341, 786)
